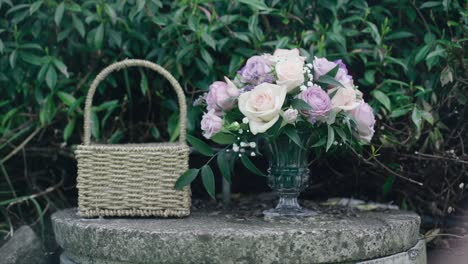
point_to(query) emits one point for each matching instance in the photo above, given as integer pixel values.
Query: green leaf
(250, 166)
(35, 6)
(341, 133)
(79, 26)
(155, 133)
(330, 137)
(106, 105)
(428, 117)
(99, 36)
(223, 165)
(68, 131)
(388, 184)
(430, 4)
(66, 98)
(326, 79)
(74, 7)
(436, 53)
(382, 98)
(332, 73)
(59, 13)
(208, 180)
(396, 61)
(320, 143)
(110, 12)
(184, 51)
(51, 77)
(399, 35)
(206, 57)
(174, 126)
(399, 112)
(300, 104)
(61, 67)
(291, 132)
(223, 138)
(421, 55)
(31, 58)
(48, 111)
(140, 5)
(12, 58)
(95, 126)
(144, 83)
(186, 178)
(116, 137)
(208, 39)
(200, 146)
(416, 118)
(369, 76)
(256, 5)
(374, 33)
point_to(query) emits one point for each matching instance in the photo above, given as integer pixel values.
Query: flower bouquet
(290, 107)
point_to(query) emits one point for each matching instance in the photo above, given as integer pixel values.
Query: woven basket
(132, 179)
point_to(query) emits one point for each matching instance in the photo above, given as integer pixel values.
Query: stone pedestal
(370, 237)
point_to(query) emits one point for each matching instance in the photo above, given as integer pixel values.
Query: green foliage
(410, 56)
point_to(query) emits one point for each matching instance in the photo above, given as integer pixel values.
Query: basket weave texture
(132, 179)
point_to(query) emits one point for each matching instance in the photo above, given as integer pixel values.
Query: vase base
(289, 212)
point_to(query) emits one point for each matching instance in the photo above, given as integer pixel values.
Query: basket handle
(132, 63)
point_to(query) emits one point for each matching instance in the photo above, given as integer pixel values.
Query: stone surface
(221, 238)
(415, 255)
(23, 248)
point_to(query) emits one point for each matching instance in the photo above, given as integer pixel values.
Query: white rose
(344, 99)
(290, 115)
(262, 106)
(289, 73)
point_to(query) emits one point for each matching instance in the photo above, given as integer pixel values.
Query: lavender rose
(211, 124)
(342, 65)
(364, 117)
(256, 71)
(342, 75)
(322, 66)
(320, 102)
(221, 96)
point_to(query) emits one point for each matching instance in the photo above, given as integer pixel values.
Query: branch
(22, 145)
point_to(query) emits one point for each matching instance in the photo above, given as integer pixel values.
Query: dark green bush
(409, 57)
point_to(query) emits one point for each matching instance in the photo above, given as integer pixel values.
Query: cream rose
(289, 73)
(282, 54)
(344, 99)
(288, 54)
(262, 106)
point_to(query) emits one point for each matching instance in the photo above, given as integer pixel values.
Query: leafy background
(408, 57)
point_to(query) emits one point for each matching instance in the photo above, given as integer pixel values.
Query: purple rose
(320, 102)
(211, 124)
(221, 96)
(342, 75)
(364, 117)
(342, 65)
(256, 71)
